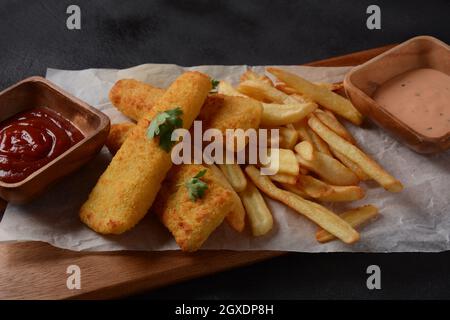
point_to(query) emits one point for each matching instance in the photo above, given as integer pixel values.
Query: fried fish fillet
(128, 187)
(236, 217)
(133, 98)
(191, 222)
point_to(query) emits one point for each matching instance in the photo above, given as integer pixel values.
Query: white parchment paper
(418, 219)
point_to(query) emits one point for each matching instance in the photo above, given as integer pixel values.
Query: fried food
(259, 215)
(282, 114)
(236, 217)
(329, 169)
(314, 188)
(369, 166)
(315, 212)
(128, 187)
(234, 175)
(305, 149)
(117, 135)
(191, 222)
(355, 217)
(328, 118)
(134, 98)
(326, 98)
(230, 112)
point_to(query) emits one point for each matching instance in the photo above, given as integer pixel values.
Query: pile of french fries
(319, 160)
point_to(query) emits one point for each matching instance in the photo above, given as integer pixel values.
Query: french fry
(355, 217)
(313, 211)
(350, 164)
(331, 122)
(288, 137)
(259, 215)
(234, 175)
(227, 89)
(327, 192)
(283, 114)
(329, 86)
(369, 166)
(335, 194)
(284, 178)
(323, 96)
(318, 143)
(314, 187)
(250, 75)
(302, 130)
(236, 217)
(287, 162)
(329, 169)
(305, 149)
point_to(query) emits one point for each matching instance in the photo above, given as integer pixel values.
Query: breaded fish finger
(191, 222)
(128, 187)
(134, 98)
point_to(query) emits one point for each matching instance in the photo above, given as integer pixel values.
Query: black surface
(118, 34)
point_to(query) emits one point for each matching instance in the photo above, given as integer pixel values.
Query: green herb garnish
(214, 84)
(163, 125)
(196, 187)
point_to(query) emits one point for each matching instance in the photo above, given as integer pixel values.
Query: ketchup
(31, 139)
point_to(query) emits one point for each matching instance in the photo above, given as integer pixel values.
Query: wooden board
(34, 270)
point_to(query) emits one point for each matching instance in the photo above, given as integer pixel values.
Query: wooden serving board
(35, 270)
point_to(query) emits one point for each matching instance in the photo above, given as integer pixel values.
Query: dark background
(119, 34)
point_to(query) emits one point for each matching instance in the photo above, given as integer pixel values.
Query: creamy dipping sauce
(420, 98)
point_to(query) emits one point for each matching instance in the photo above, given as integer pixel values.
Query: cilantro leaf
(214, 84)
(196, 187)
(163, 125)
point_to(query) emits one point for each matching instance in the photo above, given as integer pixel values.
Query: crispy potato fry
(236, 217)
(323, 96)
(329, 169)
(262, 91)
(259, 215)
(287, 162)
(318, 143)
(251, 75)
(331, 122)
(355, 217)
(330, 86)
(302, 130)
(305, 149)
(234, 175)
(313, 187)
(350, 164)
(315, 212)
(369, 166)
(335, 193)
(117, 135)
(283, 114)
(288, 137)
(284, 178)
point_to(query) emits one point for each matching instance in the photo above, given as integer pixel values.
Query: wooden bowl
(93, 124)
(362, 81)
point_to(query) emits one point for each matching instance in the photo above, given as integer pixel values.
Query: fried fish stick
(117, 135)
(191, 222)
(128, 187)
(236, 218)
(134, 98)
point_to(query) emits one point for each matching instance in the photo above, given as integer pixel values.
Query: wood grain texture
(34, 270)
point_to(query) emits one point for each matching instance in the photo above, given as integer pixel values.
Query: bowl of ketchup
(45, 134)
